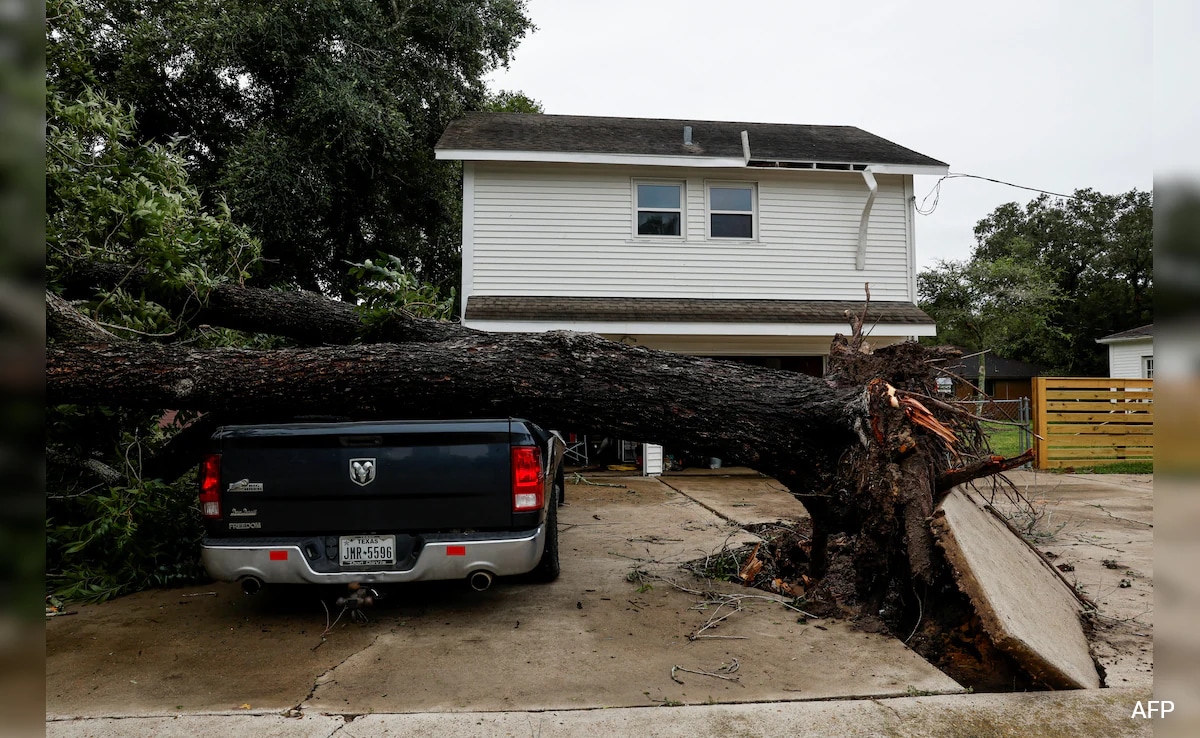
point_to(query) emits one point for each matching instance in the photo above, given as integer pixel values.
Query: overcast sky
(1052, 95)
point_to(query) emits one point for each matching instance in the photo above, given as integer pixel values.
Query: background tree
(315, 121)
(1003, 306)
(1097, 250)
(508, 101)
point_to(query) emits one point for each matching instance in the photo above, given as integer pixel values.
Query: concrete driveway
(153, 662)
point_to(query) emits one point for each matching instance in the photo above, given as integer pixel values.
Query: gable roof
(687, 310)
(476, 135)
(1133, 334)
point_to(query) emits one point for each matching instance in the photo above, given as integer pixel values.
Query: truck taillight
(526, 478)
(210, 486)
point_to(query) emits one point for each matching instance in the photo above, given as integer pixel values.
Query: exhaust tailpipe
(251, 585)
(480, 581)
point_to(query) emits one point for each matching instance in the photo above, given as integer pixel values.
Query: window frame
(709, 211)
(637, 210)
(1148, 367)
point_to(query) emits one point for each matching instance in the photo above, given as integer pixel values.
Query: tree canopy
(315, 121)
(1046, 280)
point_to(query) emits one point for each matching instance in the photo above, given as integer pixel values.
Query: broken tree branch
(951, 478)
(307, 317)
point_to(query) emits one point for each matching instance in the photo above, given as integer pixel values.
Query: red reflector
(279, 555)
(456, 550)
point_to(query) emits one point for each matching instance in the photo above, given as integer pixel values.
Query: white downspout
(860, 262)
(746, 146)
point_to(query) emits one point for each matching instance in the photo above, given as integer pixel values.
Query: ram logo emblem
(362, 471)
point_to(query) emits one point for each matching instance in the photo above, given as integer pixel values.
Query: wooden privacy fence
(1085, 421)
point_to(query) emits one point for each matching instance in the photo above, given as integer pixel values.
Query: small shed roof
(1133, 334)
(997, 367)
(771, 144)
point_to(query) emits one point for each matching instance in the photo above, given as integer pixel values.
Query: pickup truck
(362, 503)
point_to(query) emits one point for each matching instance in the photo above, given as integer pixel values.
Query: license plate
(368, 550)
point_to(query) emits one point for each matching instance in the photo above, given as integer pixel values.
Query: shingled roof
(1145, 331)
(687, 310)
(769, 142)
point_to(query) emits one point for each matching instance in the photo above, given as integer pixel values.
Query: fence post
(1039, 422)
(1026, 420)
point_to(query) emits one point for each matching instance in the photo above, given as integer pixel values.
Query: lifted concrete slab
(1028, 611)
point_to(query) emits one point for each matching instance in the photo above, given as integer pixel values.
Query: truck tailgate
(360, 478)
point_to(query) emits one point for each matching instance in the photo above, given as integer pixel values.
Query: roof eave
(584, 157)
(1127, 339)
(690, 328)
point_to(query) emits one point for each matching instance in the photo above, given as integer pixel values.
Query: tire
(548, 568)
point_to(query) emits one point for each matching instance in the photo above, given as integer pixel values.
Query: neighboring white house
(745, 240)
(1131, 353)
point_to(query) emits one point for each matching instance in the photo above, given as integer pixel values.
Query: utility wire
(936, 192)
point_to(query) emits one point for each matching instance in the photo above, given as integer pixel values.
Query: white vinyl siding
(1125, 358)
(564, 230)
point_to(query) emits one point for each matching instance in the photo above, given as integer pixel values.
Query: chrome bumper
(499, 556)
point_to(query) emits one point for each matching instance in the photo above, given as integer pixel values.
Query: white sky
(1053, 95)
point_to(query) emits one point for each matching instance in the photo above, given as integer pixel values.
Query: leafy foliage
(386, 288)
(113, 198)
(1094, 251)
(316, 120)
(127, 537)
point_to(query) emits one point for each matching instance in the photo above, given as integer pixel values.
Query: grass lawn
(1006, 441)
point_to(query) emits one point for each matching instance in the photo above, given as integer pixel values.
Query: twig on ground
(580, 479)
(328, 625)
(723, 672)
(713, 620)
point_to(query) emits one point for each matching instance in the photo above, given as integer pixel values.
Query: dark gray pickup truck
(381, 502)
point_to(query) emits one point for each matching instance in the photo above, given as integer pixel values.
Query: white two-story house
(745, 240)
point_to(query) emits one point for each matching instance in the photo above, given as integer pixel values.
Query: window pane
(658, 224)
(658, 196)
(729, 198)
(732, 226)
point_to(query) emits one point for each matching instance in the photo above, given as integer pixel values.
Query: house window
(659, 208)
(731, 211)
(1147, 367)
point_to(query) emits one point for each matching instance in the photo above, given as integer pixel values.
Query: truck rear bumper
(284, 562)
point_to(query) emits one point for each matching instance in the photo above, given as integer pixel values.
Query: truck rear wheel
(548, 568)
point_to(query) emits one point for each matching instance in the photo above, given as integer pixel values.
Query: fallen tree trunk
(788, 425)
